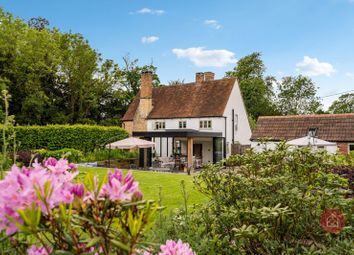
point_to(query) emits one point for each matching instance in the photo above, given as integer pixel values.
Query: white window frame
(205, 124)
(158, 125)
(182, 124)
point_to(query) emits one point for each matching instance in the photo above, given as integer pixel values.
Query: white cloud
(212, 23)
(146, 10)
(149, 39)
(348, 74)
(201, 57)
(313, 67)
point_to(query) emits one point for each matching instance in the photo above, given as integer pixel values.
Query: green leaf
(120, 245)
(62, 252)
(94, 241)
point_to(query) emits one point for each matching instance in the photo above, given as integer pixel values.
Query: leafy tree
(256, 89)
(344, 104)
(297, 95)
(38, 23)
(248, 67)
(56, 77)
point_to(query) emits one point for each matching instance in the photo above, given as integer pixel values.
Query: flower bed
(58, 215)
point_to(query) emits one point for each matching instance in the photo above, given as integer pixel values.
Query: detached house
(194, 122)
(337, 129)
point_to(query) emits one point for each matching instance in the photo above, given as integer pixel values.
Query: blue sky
(312, 37)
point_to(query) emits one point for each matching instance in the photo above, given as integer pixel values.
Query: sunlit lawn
(150, 183)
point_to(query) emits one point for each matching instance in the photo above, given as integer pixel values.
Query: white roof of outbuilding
(310, 141)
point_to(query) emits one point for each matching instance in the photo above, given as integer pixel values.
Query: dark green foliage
(267, 203)
(256, 89)
(57, 78)
(56, 137)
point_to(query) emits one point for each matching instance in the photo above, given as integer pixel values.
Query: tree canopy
(297, 95)
(344, 104)
(57, 77)
(256, 89)
(293, 95)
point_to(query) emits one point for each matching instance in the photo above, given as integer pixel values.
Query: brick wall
(128, 125)
(343, 147)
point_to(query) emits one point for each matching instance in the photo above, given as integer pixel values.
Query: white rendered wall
(243, 132)
(258, 147)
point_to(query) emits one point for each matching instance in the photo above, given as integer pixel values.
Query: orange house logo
(332, 221)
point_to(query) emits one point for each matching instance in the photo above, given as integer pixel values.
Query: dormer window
(205, 124)
(182, 124)
(312, 132)
(159, 125)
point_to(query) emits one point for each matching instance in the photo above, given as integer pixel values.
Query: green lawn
(150, 183)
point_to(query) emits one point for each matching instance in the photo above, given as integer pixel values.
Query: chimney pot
(199, 78)
(209, 76)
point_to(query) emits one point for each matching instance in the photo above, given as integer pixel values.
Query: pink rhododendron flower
(78, 190)
(119, 189)
(176, 248)
(35, 250)
(20, 187)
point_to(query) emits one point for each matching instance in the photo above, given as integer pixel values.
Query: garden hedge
(56, 137)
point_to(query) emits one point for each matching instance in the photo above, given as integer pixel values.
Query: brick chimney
(199, 78)
(146, 84)
(145, 102)
(209, 76)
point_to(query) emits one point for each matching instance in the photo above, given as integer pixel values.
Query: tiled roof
(207, 99)
(330, 127)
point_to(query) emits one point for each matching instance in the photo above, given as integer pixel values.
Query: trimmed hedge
(56, 137)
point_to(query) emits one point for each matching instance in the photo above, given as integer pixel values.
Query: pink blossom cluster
(35, 250)
(118, 188)
(174, 248)
(24, 187)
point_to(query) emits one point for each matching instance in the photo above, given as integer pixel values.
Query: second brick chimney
(209, 76)
(145, 102)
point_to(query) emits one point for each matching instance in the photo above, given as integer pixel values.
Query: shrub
(56, 137)
(346, 172)
(26, 157)
(267, 203)
(105, 154)
(70, 154)
(44, 211)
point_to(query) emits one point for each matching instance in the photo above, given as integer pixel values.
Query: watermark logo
(332, 220)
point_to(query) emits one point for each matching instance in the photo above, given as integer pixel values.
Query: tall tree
(256, 89)
(344, 104)
(56, 77)
(297, 95)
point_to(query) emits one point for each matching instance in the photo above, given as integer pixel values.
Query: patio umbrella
(132, 143)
